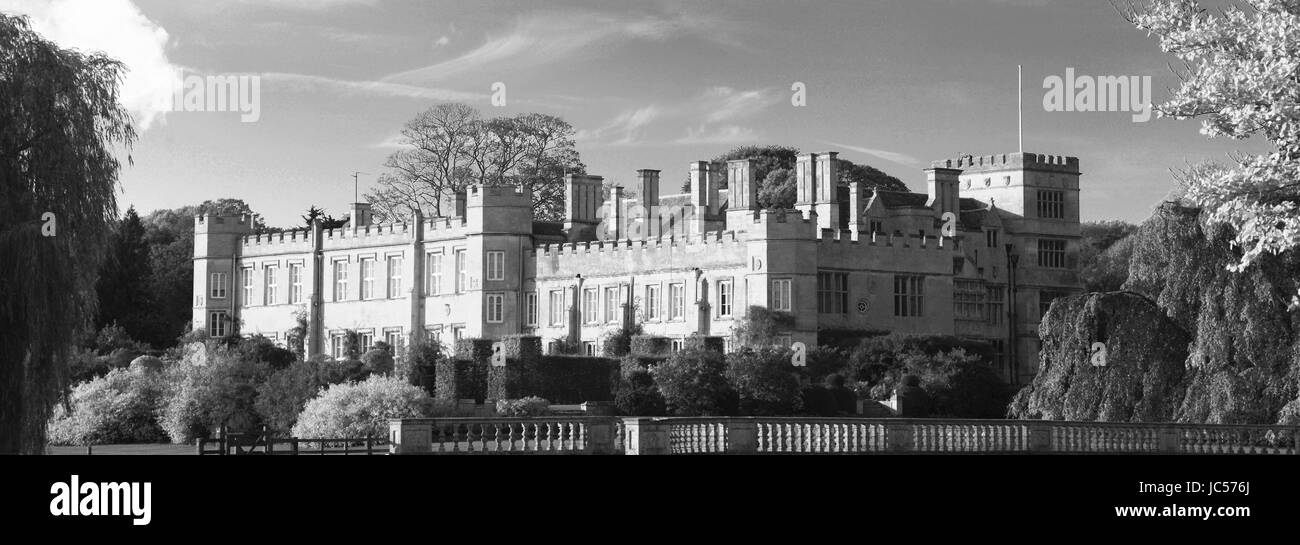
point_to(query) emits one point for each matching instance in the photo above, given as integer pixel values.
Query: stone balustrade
(764, 435)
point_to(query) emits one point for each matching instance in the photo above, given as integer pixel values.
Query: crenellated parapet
(1011, 161)
(285, 241)
(709, 240)
(368, 235)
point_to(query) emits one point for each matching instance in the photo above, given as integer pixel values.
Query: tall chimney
(827, 191)
(649, 185)
(941, 184)
(805, 174)
(361, 214)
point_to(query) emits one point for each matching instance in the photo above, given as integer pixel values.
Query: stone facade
(690, 264)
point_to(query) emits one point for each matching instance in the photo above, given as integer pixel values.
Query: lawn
(148, 449)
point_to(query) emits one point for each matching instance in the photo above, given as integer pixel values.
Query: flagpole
(1020, 111)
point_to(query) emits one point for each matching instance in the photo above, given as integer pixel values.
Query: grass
(148, 449)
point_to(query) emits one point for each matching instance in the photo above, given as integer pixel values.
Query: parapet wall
(1011, 161)
(626, 256)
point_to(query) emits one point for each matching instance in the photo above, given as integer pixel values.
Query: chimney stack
(361, 214)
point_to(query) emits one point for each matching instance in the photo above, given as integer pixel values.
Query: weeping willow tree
(60, 126)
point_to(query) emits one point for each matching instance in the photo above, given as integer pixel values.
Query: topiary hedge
(650, 345)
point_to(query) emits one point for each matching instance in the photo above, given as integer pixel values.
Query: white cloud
(377, 88)
(118, 29)
(550, 37)
(892, 156)
(624, 129)
(724, 103)
(728, 134)
(444, 40)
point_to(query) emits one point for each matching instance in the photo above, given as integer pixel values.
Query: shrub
(203, 398)
(818, 401)
(146, 364)
(765, 382)
(649, 345)
(760, 326)
(339, 371)
(880, 360)
(632, 363)
(361, 409)
(638, 396)
(378, 362)
(696, 341)
(959, 385)
(845, 399)
(261, 349)
(528, 406)
(284, 394)
(119, 407)
(694, 383)
(420, 364)
(572, 379)
(617, 343)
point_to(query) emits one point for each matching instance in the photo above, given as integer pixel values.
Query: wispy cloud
(545, 38)
(624, 129)
(118, 29)
(727, 134)
(705, 116)
(311, 83)
(892, 156)
(724, 103)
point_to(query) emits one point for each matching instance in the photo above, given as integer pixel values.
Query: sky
(647, 84)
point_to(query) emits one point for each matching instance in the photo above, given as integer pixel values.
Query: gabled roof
(901, 199)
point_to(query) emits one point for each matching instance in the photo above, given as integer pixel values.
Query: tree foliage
(61, 124)
(775, 172)
(451, 146)
(1238, 67)
(694, 383)
(1104, 254)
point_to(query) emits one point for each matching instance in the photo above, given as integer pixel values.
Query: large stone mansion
(940, 262)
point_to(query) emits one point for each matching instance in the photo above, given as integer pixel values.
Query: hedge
(650, 345)
(456, 379)
(700, 342)
(573, 379)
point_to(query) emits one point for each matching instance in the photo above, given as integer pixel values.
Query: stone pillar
(1040, 436)
(646, 436)
(410, 436)
(600, 436)
(742, 436)
(1170, 439)
(898, 437)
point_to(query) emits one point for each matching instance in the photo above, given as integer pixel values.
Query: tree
(450, 146)
(774, 168)
(60, 122)
(326, 221)
(694, 383)
(765, 382)
(1238, 72)
(1104, 254)
(123, 286)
